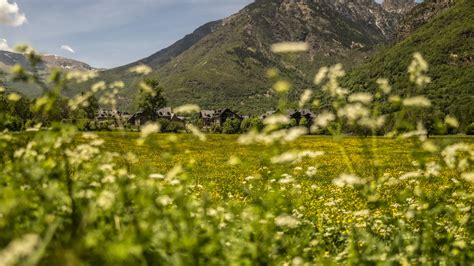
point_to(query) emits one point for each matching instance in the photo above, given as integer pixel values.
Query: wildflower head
(289, 47)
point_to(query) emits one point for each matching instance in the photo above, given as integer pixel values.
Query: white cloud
(67, 48)
(4, 45)
(10, 14)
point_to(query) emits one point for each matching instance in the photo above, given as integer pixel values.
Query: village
(215, 121)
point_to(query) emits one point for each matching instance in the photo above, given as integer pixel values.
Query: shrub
(231, 126)
(470, 129)
(175, 127)
(251, 123)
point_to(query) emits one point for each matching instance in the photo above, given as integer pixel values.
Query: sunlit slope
(447, 43)
(226, 65)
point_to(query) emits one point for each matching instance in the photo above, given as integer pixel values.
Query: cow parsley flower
(287, 221)
(469, 177)
(277, 119)
(451, 121)
(324, 119)
(417, 101)
(305, 97)
(347, 180)
(290, 47)
(141, 70)
(362, 97)
(196, 132)
(417, 70)
(149, 129)
(187, 109)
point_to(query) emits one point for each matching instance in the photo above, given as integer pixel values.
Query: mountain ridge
(224, 65)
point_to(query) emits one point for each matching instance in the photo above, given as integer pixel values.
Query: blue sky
(109, 33)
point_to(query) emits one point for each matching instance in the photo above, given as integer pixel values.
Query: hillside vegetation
(224, 63)
(447, 43)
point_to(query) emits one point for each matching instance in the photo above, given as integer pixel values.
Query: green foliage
(92, 107)
(446, 42)
(251, 123)
(231, 126)
(304, 122)
(470, 129)
(152, 100)
(175, 127)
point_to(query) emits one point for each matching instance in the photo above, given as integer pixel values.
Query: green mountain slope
(447, 43)
(224, 64)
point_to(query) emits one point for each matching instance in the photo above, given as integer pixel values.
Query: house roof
(207, 113)
(166, 111)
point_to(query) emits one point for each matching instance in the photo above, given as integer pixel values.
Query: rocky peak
(398, 6)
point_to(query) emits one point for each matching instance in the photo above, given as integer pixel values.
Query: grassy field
(208, 163)
(120, 198)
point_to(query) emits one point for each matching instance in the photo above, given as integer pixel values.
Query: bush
(231, 126)
(251, 123)
(175, 127)
(470, 129)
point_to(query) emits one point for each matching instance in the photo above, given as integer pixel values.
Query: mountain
(9, 59)
(443, 32)
(224, 63)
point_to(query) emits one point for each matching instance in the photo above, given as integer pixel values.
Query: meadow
(271, 196)
(210, 162)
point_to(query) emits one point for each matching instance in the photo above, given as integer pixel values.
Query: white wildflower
(117, 85)
(294, 133)
(81, 76)
(290, 47)
(430, 146)
(282, 86)
(363, 213)
(311, 172)
(362, 97)
(19, 249)
(99, 86)
(164, 200)
(410, 175)
(174, 172)
(286, 179)
(295, 156)
(432, 169)
(372, 123)
(420, 132)
(141, 69)
(287, 221)
(156, 176)
(417, 101)
(324, 119)
(14, 97)
(277, 119)
(249, 178)
(353, 112)
(417, 70)
(196, 132)
(106, 199)
(451, 121)
(305, 97)
(297, 261)
(384, 85)
(469, 177)
(394, 99)
(146, 88)
(347, 180)
(318, 79)
(187, 109)
(453, 155)
(149, 129)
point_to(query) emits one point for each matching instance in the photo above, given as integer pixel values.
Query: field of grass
(208, 163)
